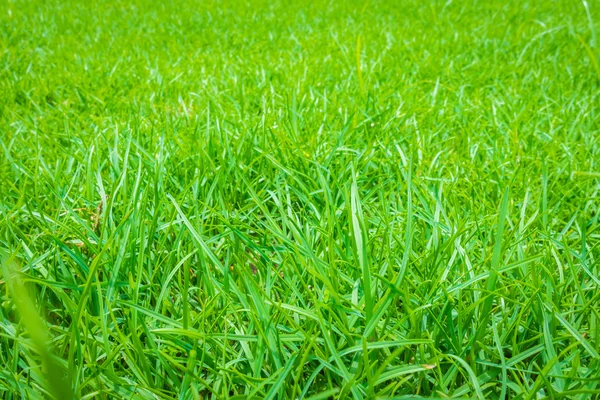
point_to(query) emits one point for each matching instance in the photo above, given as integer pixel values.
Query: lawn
(293, 200)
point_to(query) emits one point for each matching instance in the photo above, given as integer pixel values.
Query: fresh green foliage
(225, 199)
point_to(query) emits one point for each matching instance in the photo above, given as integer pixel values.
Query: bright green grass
(327, 200)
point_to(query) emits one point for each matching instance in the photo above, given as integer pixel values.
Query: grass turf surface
(260, 200)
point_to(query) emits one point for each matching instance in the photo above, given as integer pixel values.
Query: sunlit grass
(322, 200)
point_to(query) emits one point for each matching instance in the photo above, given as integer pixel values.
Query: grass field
(324, 200)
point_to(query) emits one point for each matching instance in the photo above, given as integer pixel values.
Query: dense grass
(269, 200)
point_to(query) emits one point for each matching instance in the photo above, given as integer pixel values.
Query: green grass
(222, 199)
